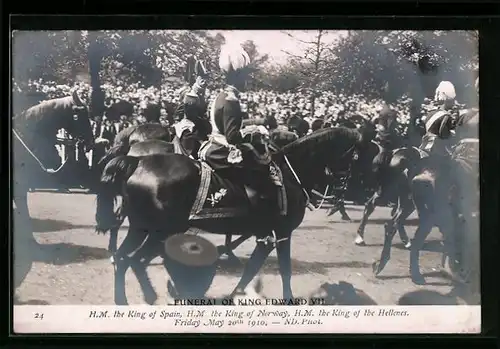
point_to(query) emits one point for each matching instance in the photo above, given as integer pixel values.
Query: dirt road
(75, 268)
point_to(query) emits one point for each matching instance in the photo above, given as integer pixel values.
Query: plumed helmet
(445, 91)
(233, 57)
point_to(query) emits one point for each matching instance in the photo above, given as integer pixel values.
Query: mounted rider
(386, 136)
(192, 126)
(226, 150)
(439, 123)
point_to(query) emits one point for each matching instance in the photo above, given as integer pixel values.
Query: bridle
(45, 169)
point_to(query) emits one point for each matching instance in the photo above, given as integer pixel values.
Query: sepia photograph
(231, 181)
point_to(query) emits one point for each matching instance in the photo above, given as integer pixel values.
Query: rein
(36, 158)
(309, 205)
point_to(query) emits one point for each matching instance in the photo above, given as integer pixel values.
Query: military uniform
(438, 126)
(388, 139)
(226, 119)
(226, 151)
(192, 127)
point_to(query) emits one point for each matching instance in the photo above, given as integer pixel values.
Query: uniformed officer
(439, 123)
(387, 137)
(192, 126)
(226, 150)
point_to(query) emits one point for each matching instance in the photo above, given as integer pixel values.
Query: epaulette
(230, 95)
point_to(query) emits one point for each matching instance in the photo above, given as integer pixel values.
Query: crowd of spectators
(130, 104)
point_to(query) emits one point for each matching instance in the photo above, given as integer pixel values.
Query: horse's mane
(39, 112)
(309, 143)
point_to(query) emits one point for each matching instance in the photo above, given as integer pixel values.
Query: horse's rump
(151, 147)
(219, 197)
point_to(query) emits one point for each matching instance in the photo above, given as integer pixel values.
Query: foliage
(391, 63)
(378, 64)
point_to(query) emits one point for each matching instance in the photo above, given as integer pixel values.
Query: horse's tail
(114, 176)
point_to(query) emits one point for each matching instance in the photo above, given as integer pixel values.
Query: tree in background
(313, 66)
(258, 62)
(391, 64)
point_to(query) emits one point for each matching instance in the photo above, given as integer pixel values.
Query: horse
(160, 191)
(150, 140)
(34, 136)
(137, 149)
(438, 201)
(152, 147)
(387, 188)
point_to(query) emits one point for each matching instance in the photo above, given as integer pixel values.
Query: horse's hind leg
(254, 264)
(283, 248)
(140, 260)
(424, 228)
(404, 209)
(369, 208)
(229, 246)
(23, 228)
(113, 240)
(407, 209)
(343, 212)
(131, 243)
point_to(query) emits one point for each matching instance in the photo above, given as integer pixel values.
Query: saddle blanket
(218, 197)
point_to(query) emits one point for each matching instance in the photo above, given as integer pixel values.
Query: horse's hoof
(407, 245)
(112, 259)
(120, 301)
(417, 279)
(376, 268)
(360, 241)
(346, 218)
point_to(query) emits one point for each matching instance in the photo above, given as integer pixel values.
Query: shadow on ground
(54, 254)
(271, 267)
(459, 295)
(429, 246)
(53, 225)
(17, 301)
(342, 293)
(446, 280)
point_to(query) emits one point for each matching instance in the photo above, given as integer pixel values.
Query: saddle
(219, 197)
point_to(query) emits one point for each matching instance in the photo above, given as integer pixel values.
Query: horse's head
(78, 123)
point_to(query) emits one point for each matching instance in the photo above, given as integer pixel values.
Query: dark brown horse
(445, 193)
(387, 186)
(160, 192)
(35, 157)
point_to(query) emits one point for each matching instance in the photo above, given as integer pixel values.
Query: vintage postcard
(236, 181)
